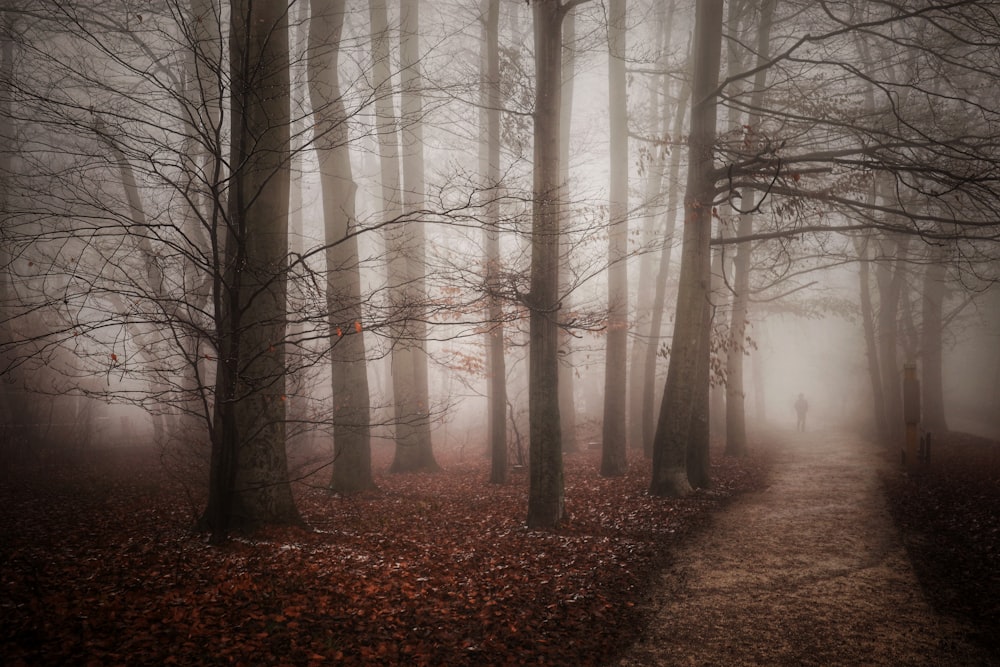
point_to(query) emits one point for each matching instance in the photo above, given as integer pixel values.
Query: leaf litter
(100, 566)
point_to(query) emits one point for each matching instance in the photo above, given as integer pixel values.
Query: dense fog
(507, 230)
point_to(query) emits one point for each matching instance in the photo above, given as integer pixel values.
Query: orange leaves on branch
(357, 328)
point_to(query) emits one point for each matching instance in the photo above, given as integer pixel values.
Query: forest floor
(842, 560)
(99, 566)
(792, 558)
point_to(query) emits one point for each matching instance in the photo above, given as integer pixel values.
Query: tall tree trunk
(719, 302)
(10, 399)
(662, 274)
(698, 463)
(388, 159)
(932, 327)
(675, 427)
(298, 377)
(758, 373)
(889, 276)
(545, 492)
(567, 384)
(871, 343)
(409, 418)
(249, 478)
(349, 374)
(659, 120)
(736, 429)
(414, 450)
(614, 445)
(496, 393)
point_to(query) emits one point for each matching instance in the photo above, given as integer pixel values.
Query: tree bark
(10, 399)
(662, 274)
(414, 451)
(349, 374)
(496, 394)
(545, 489)
(249, 478)
(567, 384)
(932, 327)
(736, 350)
(676, 427)
(871, 343)
(889, 277)
(653, 190)
(614, 445)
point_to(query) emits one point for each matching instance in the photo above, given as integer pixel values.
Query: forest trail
(809, 571)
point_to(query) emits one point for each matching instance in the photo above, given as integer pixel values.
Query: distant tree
(546, 504)
(415, 451)
(349, 373)
(653, 159)
(932, 326)
(614, 434)
(490, 102)
(567, 389)
(678, 121)
(737, 346)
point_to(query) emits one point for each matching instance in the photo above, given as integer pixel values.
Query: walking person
(801, 408)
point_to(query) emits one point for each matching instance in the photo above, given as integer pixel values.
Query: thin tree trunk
(414, 451)
(490, 157)
(736, 429)
(932, 327)
(889, 276)
(675, 427)
(614, 445)
(348, 372)
(652, 191)
(871, 344)
(758, 373)
(298, 393)
(7, 149)
(662, 274)
(567, 384)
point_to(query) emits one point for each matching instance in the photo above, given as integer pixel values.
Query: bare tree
(736, 433)
(689, 349)
(546, 493)
(490, 102)
(349, 374)
(613, 458)
(249, 469)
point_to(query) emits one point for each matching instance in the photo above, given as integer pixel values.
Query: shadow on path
(810, 571)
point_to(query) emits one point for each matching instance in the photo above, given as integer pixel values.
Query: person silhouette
(801, 408)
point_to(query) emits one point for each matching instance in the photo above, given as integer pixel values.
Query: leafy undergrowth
(99, 566)
(950, 518)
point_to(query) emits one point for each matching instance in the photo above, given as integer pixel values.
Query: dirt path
(810, 571)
